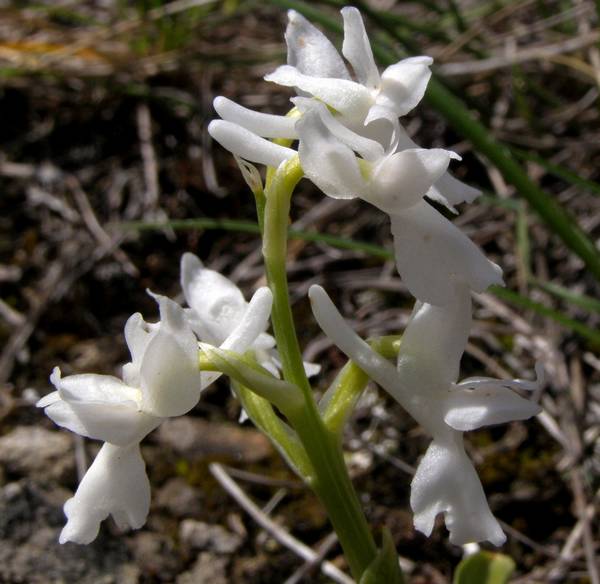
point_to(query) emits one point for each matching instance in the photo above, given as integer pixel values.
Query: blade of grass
(586, 332)
(558, 170)
(362, 246)
(560, 222)
(581, 300)
(251, 227)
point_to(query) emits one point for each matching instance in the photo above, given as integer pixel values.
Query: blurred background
(107, 175)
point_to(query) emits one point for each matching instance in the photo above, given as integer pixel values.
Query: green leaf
(484, 568)
(385, 568)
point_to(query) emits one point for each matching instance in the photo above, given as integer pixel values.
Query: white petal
(433, 194)
(401, 180)
(265, 125)
(253, 323)
(117, 424)
(48, 399)
(328, 163)
(311, 369)
(403, 85)
(218, 304)
(90, 387)
(337, 329)
(370, 150)
(116, 484)
(489, 403)
(431, 253)
(446, 482)
(170, 379)
(310, 51)
(248, 145)
(357, 49)
(137, 336)
(347, 97)
(436, 337)
(263, 342)
(522, 384)
(270, 361)
(456, 191)
(405, 142)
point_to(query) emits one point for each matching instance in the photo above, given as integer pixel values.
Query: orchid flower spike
(425, 384)
(217, 305)
(315, 68)
(161, 380)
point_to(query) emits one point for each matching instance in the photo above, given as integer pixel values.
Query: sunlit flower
(216, 307)
(373, 96)
(431, 253)
(161, 380)
(425, 384)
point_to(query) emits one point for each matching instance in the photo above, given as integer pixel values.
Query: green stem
(261, 412)
(330, 480)
(277, 210)
(340, 399)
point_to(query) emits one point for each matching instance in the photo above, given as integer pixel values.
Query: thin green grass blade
(251, 227)
(586, 302)
(559, 221)
(581, 329)
(558, 170)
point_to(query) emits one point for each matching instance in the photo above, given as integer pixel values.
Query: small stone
(208, 569)
(35, 451)
(204, 536)
(179, 498)
(155, 555)
(197, 439)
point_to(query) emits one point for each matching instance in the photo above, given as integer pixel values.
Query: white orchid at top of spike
(425, 384)
(313, 55)
(316, 68)
(216, 307)
(162, 380)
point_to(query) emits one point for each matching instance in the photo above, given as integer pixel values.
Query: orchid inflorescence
(350, 144)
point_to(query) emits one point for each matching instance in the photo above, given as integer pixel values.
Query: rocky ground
(104, 112)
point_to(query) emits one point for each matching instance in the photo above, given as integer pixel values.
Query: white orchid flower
(425, 384)
(396, 183)
(216, 307)
(315, 68)
(162, 380)
(241, 131)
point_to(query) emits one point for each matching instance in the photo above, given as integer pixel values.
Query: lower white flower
(162, 380)
(424, 383)
(216, 307)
